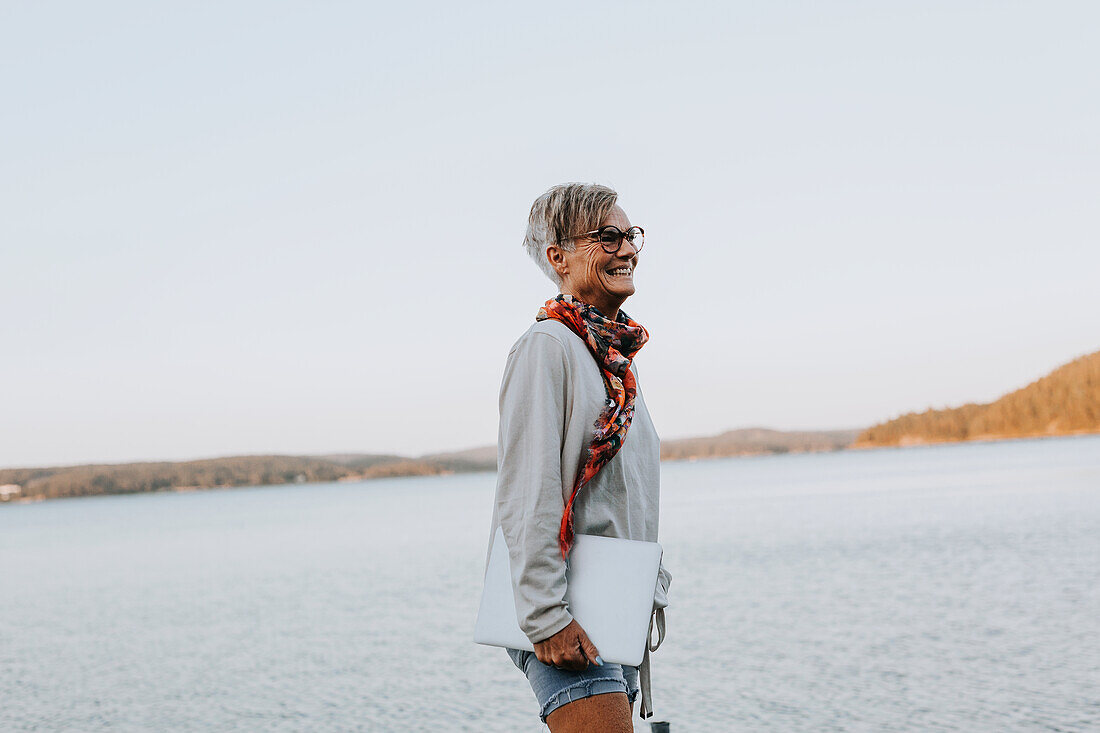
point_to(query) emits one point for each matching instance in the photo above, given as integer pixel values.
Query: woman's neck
(608, 308)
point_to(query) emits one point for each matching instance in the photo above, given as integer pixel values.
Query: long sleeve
(529, 497)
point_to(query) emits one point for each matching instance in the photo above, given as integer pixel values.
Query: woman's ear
(556, 256)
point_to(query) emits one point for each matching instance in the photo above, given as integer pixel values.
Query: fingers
(589, 649)
(559, 653)
(573, 653)
(568, 657)
(570, 649)
(544, 653)
(575, 658)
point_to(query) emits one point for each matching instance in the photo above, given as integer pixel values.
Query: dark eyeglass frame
(620, 235)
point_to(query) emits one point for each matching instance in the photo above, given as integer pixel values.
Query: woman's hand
(569, 648)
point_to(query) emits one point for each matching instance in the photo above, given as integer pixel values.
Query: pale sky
(257, 227)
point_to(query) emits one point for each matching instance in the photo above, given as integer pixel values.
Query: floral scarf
(613, 345)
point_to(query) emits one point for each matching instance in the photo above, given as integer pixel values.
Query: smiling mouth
(624, 271)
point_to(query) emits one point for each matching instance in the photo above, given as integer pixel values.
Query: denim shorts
(555, 687)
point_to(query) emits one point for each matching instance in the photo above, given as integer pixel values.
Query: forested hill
(757, 441)
(131, 478)
(31, 484)
(1065, 402)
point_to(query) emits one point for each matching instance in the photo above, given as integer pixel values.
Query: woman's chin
(624, 290)
(620, 287)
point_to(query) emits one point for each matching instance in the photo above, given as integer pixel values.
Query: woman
(577, 451)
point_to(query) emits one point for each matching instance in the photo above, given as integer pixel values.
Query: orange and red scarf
(613, 345)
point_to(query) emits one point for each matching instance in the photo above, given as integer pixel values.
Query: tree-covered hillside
(1065, 402)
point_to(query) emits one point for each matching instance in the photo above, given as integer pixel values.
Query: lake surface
(925, 589)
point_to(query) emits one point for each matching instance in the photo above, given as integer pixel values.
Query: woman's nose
(626, 248)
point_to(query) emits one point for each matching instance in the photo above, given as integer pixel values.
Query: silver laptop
(611, 583)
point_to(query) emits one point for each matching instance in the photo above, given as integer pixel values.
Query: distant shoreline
(473, 461)
(914, 442)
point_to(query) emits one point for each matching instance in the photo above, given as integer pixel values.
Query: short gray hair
(565, 210)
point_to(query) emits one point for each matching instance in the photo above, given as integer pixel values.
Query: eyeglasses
(611, 238)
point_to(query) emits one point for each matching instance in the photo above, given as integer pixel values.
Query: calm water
(947, 588)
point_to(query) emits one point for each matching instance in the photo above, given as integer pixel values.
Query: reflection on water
(946, 588)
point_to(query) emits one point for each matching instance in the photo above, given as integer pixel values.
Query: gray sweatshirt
(550, 397)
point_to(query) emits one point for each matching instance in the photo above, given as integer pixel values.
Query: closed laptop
(611, 583)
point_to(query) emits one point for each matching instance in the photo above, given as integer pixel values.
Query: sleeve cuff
(547, 630)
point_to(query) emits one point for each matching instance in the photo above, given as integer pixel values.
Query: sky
(244, 227)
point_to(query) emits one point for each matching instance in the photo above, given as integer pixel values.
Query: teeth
(620, 271)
